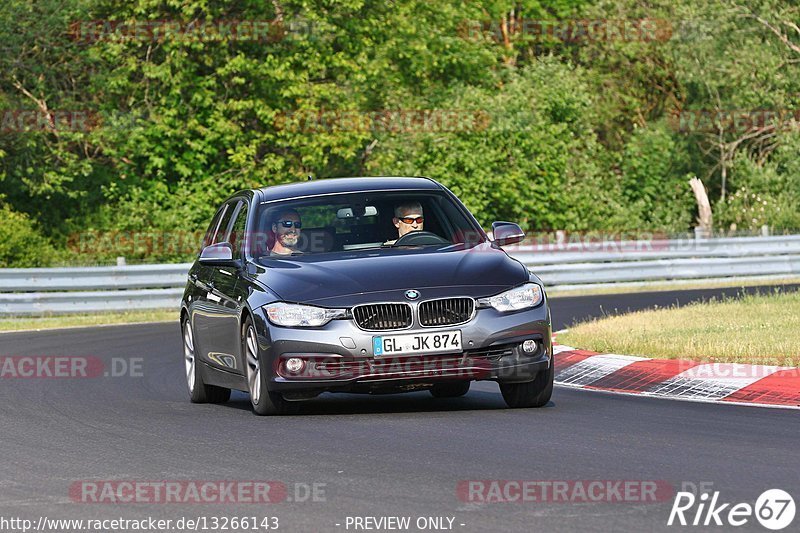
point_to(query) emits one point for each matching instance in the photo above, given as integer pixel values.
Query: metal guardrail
(594, 252)
(93, 278)
(43, 303)
(41, 291)
(597, 263)
(95, 289)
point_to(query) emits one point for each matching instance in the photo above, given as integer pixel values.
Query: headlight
(522, 297)
(294, 315)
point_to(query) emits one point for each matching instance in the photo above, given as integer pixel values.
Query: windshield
(361, 221)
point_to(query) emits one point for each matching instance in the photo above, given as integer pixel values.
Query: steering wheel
(417, 238)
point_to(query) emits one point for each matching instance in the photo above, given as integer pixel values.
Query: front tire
(535, 393)
(199, 392)
(263, 401)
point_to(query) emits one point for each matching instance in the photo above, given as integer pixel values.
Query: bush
(763, 192)
(21, 244)
(654, 166)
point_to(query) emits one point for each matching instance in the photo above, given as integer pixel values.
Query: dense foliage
(523, 109)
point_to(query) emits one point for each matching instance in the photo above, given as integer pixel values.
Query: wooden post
(704, 218)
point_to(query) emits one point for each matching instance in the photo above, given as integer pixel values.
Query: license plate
(415, 343)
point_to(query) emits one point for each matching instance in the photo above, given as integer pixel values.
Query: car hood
(348, 278)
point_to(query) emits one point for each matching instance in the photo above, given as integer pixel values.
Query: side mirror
(220, 254)
(507, 233)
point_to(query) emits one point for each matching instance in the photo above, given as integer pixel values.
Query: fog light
(529, 346)
(295, 365)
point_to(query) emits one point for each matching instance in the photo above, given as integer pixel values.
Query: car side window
(212, 228)
(238, 229)
(225, 224)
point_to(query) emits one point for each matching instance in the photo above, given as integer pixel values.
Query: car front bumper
(339, 357)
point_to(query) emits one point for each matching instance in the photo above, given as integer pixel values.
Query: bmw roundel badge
(412, 294)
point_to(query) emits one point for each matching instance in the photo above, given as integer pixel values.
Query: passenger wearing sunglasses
(287, 233)
(407, 218)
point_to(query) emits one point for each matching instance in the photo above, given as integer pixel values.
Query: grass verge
(623, 288)
(756, 329)
(99, 319)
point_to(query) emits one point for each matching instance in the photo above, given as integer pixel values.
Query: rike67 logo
(774, 509)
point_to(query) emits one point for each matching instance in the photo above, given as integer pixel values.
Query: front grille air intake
(446, 312)
(378, 317)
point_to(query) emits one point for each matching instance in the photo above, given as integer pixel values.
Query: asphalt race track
(377, 456)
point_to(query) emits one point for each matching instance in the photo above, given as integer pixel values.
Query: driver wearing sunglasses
(408, 217)
(287, 233)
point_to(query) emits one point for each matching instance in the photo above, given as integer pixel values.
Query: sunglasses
(290, 223)
(411, 220)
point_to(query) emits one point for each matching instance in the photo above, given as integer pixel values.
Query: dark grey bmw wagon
(370, 285)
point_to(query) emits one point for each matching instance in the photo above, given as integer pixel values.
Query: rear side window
(237, 234)
(212, 228)
(225, 223)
